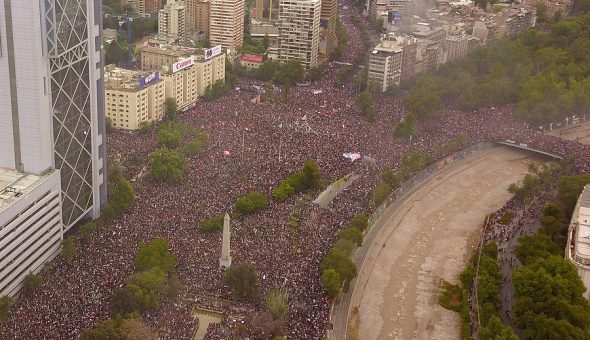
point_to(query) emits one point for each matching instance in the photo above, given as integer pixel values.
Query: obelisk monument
(225, 260)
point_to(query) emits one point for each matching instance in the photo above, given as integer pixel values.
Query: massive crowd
(264, 148)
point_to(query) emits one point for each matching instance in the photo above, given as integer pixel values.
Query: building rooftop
(583, 231)
(128, 80)
(15, 184)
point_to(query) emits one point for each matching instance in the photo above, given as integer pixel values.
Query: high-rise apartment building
(328, 17)
(226, 24)
(265, 10)
(385, 64)
(197, 15)
(52, 147)
(143, 7)
(299, 27)
(172, 20)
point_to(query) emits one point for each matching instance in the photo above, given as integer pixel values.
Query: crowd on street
(251, 147)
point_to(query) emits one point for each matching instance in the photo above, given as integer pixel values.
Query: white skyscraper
(52, 148)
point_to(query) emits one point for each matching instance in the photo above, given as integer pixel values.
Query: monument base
(225, 263)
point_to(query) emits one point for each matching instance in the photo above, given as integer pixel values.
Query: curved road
(425, 236)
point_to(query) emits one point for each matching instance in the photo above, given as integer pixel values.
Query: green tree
(282, 192)
(198, 143)
(331, 282)
(352, 234)
(405, 129)
(155, 255)
(113, 53)
(169, 135)
(5, 304)
(289, 73)
(242, 280)
(87, 229)
(252, 202)
(570, 188)
(311, 172)
(535, 246)
(105, 330)
(166, 165)
(526, 190)
(342, 264)
(495, 330)
(360, 221)
(277, 302)
(32, 281)
(68, 248)
(171, 109)
(366, 105)
(381, 192)
(212, 224)
(424, 99)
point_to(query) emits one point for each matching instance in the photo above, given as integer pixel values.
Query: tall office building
(328, 17)
(172, 20)
(52, 148)
(197, 15)
(226, 24)
(299, 27)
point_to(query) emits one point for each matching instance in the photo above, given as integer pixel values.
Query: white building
(385, 64)
(299, 28)
(51, 115)
(172, 20)
(578, 243)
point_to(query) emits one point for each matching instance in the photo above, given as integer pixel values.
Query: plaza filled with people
(251, 147)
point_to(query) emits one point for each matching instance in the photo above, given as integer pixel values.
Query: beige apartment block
(226, 24)
(172, 20)
(328, 17)
(197, 15)
(385, 64)
(133, 97)
(299, 28)
(154, 58)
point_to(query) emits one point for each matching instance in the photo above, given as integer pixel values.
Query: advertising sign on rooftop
(150, 78)
(212, 52)
(184, 63)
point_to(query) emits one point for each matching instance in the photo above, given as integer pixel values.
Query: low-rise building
(457, 46)
(519, 21)
(154, 57)
(31, 228)
(251, 61)
(133, 97)
(385, 62)
(578, 243)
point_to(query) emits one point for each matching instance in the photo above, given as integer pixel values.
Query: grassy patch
(506, 218)
(354, 322)
(450, 297)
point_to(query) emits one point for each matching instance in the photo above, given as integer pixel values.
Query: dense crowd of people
(251, 147)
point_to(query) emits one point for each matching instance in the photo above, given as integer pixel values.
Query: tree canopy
(243, 280)
(166, 165)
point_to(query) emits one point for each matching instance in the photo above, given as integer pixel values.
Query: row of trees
(307, 179)
(548, 291)
(288, 73)
(414, 161)
(337, 267)
(175, 140)
(153, 264)
(544, 73)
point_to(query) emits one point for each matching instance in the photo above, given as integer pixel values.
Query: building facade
(328, 17)
(197, 15)
(172, 20)
(51, 95)
(265, 11)
(133, 97)
(578, 243)
(385, 64)
(226, 24)
(299, 27)
(519, 22)
(457, 46)
(31, 228)
(143, 7)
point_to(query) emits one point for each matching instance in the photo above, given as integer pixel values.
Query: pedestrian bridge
(524, 146)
